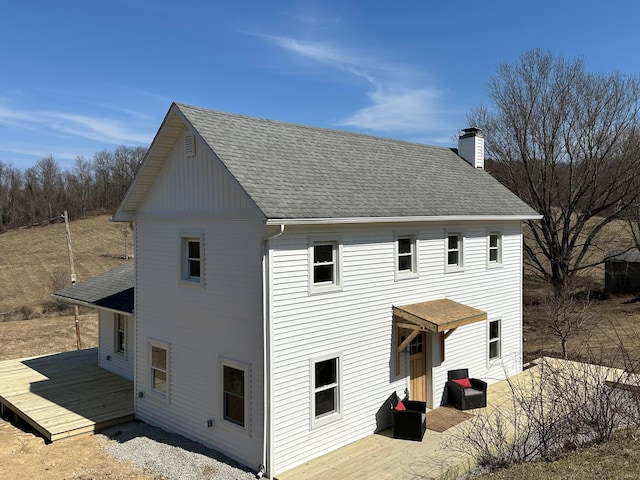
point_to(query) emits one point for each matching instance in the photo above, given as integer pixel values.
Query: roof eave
(410, 219)
(83, 303)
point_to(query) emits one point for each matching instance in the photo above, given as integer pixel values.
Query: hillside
(35, 261)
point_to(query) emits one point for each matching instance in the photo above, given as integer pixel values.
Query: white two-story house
(288, 279)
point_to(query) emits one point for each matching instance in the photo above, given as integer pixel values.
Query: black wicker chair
(409, 424)
(464, 398)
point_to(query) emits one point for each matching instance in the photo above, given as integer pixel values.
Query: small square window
(454, 250)
(494, 339)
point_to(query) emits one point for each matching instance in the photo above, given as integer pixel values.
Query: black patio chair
(409, 424)
(461, 396)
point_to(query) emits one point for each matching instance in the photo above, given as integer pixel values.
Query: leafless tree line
(42, 192)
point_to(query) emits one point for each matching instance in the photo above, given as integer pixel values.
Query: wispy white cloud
(75, 125)
(400, 99)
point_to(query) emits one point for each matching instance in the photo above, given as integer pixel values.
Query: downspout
(267, 430)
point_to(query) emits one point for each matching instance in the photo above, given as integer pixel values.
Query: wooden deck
(65, 394)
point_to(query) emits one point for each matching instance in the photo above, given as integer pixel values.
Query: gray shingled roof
(298, 172)
(112, 290)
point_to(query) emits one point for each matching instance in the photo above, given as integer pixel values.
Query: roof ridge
(310, 127)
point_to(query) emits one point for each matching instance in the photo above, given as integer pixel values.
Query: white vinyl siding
(203, 325)
(120, 363)
(357, 321)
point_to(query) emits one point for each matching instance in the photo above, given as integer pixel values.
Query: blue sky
(80, 76)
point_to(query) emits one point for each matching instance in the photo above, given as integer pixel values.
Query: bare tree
(568, 143)
(566, 315)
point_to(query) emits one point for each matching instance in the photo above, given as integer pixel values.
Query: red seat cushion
(464, 382)
(400, 405)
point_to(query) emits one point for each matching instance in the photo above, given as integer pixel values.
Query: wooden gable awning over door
(441, 316)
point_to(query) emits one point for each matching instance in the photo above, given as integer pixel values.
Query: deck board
(65, 394)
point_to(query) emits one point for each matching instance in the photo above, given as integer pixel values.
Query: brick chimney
(471, 146)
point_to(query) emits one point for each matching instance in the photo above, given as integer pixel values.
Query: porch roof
(436, 315)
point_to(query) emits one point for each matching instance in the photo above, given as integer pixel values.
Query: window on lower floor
(494, 339)
(326, 390)
(235, 390)
(159, 368)
(120, 327)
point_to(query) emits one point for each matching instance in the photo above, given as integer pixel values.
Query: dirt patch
(615, 324)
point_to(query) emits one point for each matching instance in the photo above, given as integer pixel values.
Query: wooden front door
(418, 369)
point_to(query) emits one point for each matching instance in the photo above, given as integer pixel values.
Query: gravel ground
(170, 456)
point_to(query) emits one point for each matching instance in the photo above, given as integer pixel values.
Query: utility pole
(73, 277)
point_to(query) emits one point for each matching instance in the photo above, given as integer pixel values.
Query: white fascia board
(441, 218)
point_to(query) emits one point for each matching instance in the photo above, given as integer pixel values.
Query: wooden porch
(65, 394)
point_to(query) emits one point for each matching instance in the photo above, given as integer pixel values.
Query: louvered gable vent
(189, 144)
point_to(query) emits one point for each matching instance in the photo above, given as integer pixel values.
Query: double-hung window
(235, 392)
(454, 250)
(326, 398)
(192, 257)
(120, 330)
(324, 262)
(494, 340)
(406, 256)
(494, 253)
(159, 368)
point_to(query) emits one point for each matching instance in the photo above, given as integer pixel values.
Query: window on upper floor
(454, 251)
(494, 253)
(324, 264)
(326, 389)
(406, 256)
(191, 260)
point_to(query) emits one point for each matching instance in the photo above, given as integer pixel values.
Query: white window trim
(336, 284)
(498, 263)
(125, 318)
(460, 266)
(498, 340)
(330, 417)
(413, 272)
(185, 237)
(246, 368)
(153, 392)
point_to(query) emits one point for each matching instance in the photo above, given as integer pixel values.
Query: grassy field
(35, 261)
